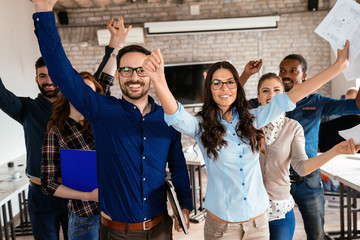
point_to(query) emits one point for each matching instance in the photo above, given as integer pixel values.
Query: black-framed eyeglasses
(128, 71)
(217, 84)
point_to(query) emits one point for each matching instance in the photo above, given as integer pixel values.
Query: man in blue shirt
(307, 191)
(133, 142)
(46, 213)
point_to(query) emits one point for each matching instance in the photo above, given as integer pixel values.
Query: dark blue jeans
(283, 229)
(47, 213)
(84, 228)
(309, 196)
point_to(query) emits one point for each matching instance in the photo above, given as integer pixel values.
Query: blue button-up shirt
(235, 190)
(33, 115)
(132, 149)
(310, 110)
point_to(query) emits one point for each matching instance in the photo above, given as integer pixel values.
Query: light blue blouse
(235, 190)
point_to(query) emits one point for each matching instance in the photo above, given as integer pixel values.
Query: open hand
(154, 66)
(44, 5)
(118, 32)
(347, 147)
(343, 55)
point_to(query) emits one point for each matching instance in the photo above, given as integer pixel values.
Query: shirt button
(240, 156)
(243, 184)
(144, 179)
(144, 138)
(143, 157)
(238, 144)
(234, 134)
(37, 19)
(143, 119)
(144, 219)
(245, 198)
(240, 169)
(134, 107)
(144, 198)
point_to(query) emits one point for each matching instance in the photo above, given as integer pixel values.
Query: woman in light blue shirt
(229, 139)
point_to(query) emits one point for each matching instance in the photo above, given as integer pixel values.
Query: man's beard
(49, 93)
(286, 87)
(135, 96)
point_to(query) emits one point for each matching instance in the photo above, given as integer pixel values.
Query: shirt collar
(235, 115)
(42, 98)
(278, 120)
(128, 106)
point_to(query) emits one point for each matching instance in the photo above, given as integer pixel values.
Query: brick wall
(294, 35)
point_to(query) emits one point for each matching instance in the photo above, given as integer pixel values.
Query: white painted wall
(18, 53)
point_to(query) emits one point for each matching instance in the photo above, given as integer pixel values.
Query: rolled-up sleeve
(278, 105)
(298, 155)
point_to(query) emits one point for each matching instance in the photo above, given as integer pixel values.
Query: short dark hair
(39, 63)
(300, 58)
(130, 48)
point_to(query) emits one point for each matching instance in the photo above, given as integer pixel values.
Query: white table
(346, 169)
(8, 190)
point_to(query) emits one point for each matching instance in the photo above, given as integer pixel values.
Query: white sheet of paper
(353, 133)
(341, 23)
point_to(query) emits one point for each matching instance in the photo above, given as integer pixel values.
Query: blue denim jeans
(47, 213)
(283, 229)
(84, 228)
(309, 196)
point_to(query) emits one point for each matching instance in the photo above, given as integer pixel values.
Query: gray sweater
(289, 145)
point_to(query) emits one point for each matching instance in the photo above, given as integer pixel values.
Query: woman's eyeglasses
(217, 84)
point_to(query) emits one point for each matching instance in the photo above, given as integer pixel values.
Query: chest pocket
(308, 112)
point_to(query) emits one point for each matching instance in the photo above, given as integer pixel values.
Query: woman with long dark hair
(68, 129)
(228, 136)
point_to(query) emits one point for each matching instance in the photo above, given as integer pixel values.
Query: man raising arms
(133, 142)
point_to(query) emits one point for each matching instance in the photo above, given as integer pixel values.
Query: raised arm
(154, 68)
(69, 81)
(345, 147)
(118, 38)
(302, 90)
(250, 69)
(10, 103)
(44, 5)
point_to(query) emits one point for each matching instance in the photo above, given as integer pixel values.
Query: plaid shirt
(73, 138)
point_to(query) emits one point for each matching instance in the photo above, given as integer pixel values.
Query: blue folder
(79, 169)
